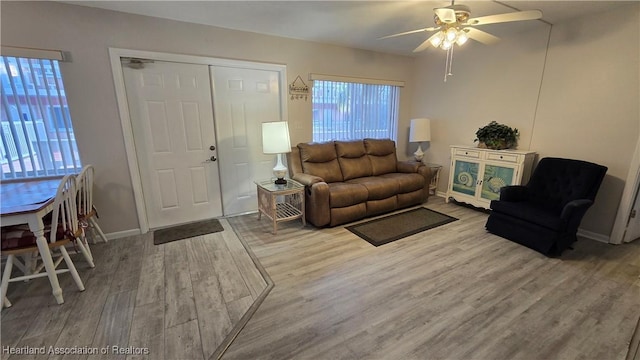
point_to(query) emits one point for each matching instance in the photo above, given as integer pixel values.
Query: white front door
(172, 121)
(244, 99)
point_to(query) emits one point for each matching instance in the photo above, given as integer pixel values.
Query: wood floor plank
(151, 280)
(246, 268)
(115, 323)
(183, 342)
(179, 303)
(147, 331)
(214, 321)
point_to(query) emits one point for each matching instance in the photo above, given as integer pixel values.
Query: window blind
(348, 110)
(37, 137)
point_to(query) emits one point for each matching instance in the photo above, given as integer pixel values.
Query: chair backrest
(65, 211)
(84, 185)
(557, 181)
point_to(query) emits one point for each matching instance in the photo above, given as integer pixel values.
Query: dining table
(28, 202)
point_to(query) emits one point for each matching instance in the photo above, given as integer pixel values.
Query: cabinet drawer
(468, 153)
(503, 157)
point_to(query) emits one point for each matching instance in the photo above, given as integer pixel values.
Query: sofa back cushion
(320, 159)
(382, 155)
(353, 159)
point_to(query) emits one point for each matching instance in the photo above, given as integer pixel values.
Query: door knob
(213, 158)
(212, 147)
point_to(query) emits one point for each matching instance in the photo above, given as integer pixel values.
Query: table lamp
(275, 140)
(419, 131)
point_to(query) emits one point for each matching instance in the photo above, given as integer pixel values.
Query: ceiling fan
(454, 25)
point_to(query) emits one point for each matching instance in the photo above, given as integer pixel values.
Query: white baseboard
(121, 234)
(593, 235)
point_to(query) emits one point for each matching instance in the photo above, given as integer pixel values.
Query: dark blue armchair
(544, 215)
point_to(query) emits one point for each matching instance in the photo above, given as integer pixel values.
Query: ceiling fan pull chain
(448, 65)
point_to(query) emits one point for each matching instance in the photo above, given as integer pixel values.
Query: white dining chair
(87, 212)
(62, 229)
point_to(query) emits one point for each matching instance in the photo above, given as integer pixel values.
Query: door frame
(115, 55)
(628, 197)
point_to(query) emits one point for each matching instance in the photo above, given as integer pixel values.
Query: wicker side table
(280, 202)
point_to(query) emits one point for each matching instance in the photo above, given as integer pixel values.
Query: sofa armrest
(514, 193)
(408, 166)
(317, 207)
(306, 179)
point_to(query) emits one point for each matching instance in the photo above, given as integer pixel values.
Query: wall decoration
(298, 89)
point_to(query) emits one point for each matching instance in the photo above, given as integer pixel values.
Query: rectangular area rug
(186, 231)
(397, 226)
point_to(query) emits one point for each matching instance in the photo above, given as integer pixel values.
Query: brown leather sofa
(350, 180)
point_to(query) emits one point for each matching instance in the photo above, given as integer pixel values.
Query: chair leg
(5, 281)
(85, 250)
(7, 303)
(72, 268)
(96, 227)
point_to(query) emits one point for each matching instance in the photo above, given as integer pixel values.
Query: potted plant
(497, 136)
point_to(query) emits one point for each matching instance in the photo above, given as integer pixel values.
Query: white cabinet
(477, 175)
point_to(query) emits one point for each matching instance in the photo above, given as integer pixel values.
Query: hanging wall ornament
(298, 89)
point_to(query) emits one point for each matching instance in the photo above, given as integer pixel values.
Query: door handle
(212, 148)
(211, 159)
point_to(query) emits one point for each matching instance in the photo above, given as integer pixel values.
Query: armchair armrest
(575, 208)
(514, 193)
(306, 179)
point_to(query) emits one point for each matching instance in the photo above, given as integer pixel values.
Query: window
(346, 110)
(37, 138)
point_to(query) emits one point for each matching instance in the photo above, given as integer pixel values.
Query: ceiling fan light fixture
(451, 34)
(446, 45)
(462, 38)
(436, 40)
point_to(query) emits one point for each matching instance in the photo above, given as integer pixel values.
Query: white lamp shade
(275, 137)
(420, 130)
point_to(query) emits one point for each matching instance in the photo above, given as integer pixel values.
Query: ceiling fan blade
(409, 32)
(425, 44)
(481, 36)
(446, 15)
(501, 18)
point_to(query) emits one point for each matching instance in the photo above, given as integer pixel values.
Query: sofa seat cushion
(406, 182)
(343, 194)
(377, 187)
(530, 213)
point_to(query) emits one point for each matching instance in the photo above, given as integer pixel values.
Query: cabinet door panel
(494, 178)
(465, 177)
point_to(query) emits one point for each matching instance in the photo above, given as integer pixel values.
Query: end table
(280, 202)
(435, 168)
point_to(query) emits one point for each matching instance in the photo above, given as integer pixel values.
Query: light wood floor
(181, 300)
(453, 292)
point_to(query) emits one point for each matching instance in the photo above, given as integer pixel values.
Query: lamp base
(280, 181)
(419, 154)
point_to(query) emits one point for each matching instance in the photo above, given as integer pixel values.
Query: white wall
(87, 33)
(589, 89)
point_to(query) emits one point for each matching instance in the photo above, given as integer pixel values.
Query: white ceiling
(356, 24)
